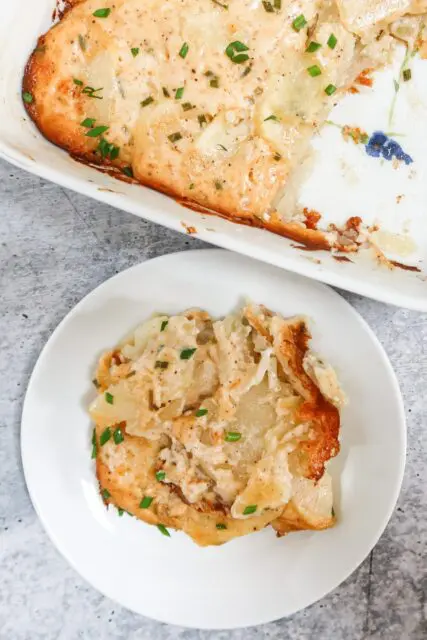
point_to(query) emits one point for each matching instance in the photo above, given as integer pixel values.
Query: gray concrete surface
(55, 247)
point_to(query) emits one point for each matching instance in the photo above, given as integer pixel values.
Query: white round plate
(250, 580)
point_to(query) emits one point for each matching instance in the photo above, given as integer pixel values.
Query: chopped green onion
(277, 157)
(234, 47)
(221, 526)
(105, 494)
(90, 92)
(179, 93)
(78, 82)
(221, 146)
(27, 97)
(102, 13)
(251, 508)
(187, 353)
(218, 185)
(162, 529)
(184, 50)
(118, 436)
(272, 117)
(313, 46)
(330, 89)
(145, 502)
(191, 186)
(224, 6)
(108, 149)
(147, 101)
(109, 398)
(96, 383)
(96, 131)
(332, 41)
(134, 51)
(214, 82)
(202, 119)
(267, 6)
(88, 122)
(120, 511)
(187, 106)
(164, 325)
(333, 512)
(166, 92)
(94, 445)
(232, 436)
(127, 171)
(201, 412)
(299, 22)
(246, 71)
(174, 137)
(105, 436)
(277, 4)
(314, 70)
(160, 475)
(82, 42)
(161, 364)
(407, 74)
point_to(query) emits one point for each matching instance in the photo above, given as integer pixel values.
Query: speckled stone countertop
(56, 246)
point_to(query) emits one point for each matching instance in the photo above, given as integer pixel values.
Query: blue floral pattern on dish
(380, 145)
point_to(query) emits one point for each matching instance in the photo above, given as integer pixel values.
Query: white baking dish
(345, 181)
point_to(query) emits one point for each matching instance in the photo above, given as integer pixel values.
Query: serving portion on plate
(287, 421)
(218, 428)
(216, 104)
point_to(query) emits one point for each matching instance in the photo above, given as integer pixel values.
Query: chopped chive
(118, 436)
(127, 171)
(134, 51)
(314, 70)
(187, 106)
(94, 445)
(234, 47)
(214, 82)
(90, 92)
(166, 92)
(267, 6)
(299, 22)
(101, 13)
(187, 353)
(145, 502)
(174, 137)
(407, 74)
(109, 398)
(82, 42)
(164, 325)
(220, 526)
(147, 101)
(277, 4)
(218, 185)
(220, 4)
(88, 122)
(332, 41)
(179, 93)
(191, 186)
(160, 475)
(105, 494)
(277, 157)
(246, 71)
(313, 46)
(105, 436)
(221, 146)
(162, 529)
(78, 82)
(107, 149)
(161, 364)
(27, 97)
(272, 117)
(333, 512)
(96, 383)
(201, 412)
(251, 508)
(232, 436)
(330, 89)
(184, 50)
(202, 119)
(120, 511)
(96, 131)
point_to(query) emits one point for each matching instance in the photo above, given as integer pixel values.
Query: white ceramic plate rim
(253, 619)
